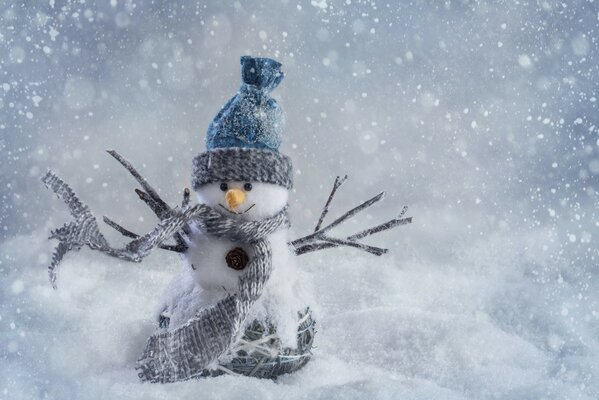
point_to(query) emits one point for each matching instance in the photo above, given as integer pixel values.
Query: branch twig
(144, 184)
(377, 251)
(339, 220)
(158, 209)
(362, 234)
(379, 228)
(338, 182)
(186, 199)
(119, 228)
(313, 247)
(184, 204)
(161, 213)
(319, 241)
(152, 199)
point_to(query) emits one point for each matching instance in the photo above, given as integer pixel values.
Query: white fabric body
(210, 279)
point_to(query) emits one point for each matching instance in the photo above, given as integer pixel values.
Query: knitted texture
(187, 351)
(259, 352)
(252, 118)
(84, 231)
(240, 164)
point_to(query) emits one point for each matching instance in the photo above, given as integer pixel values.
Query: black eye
(247, 187)
(224, 187)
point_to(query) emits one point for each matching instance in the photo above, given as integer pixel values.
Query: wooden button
(237, 258)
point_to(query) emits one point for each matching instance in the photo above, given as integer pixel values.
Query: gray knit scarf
(185, 352)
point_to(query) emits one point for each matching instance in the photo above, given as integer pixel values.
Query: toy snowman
(242, 175)
(239, 305)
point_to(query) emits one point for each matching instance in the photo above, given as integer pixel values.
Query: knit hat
(243, 139)
(251, 118)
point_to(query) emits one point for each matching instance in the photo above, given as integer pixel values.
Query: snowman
(243, 176)
(239, 304)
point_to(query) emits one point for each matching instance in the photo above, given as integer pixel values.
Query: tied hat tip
(252, 118)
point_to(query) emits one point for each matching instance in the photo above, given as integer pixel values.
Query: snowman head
(242, 174)
(245, 200)
(244, 183)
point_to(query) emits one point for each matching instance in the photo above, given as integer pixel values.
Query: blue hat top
(251, 119)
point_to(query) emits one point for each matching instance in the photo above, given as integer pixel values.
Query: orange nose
(234, 197)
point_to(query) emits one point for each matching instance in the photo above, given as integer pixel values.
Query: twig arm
(315, 244)
(339, 220)
(151, 197)
(338, 182)
(308, 248)
(377, 251)
(119, 228)
(83, 230)
(379, 228)
(186, 199)
(157, 208)
(319, 240)
(161, 213)
(144, 184)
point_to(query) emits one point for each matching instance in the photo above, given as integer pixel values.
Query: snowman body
(207, 277)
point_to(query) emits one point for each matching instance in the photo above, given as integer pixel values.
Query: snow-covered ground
(494, 321)
(480, 116)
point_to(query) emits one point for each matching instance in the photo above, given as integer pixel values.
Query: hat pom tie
(262, 73)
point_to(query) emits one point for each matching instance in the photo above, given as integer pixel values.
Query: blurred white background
(481, 116)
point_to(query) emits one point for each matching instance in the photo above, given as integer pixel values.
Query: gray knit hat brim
(242, 164)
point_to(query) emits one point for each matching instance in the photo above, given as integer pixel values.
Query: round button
(237, 259)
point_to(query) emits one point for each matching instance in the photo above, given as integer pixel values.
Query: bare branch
(184, 204)
(353, 212)
(308, 248)
(158, 209)
(339, 220)
(162, 214)
(370, 249)
(403, 211)
(144, 184)
(338, 182)
(186, 199)
(119, 228)
(319, 241)
(176, 248)
(379, 228)
(318, 245)
(151, 197)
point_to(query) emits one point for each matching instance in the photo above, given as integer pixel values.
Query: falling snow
(481, 116)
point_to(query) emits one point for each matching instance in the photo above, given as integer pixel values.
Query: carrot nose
(234, 197)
